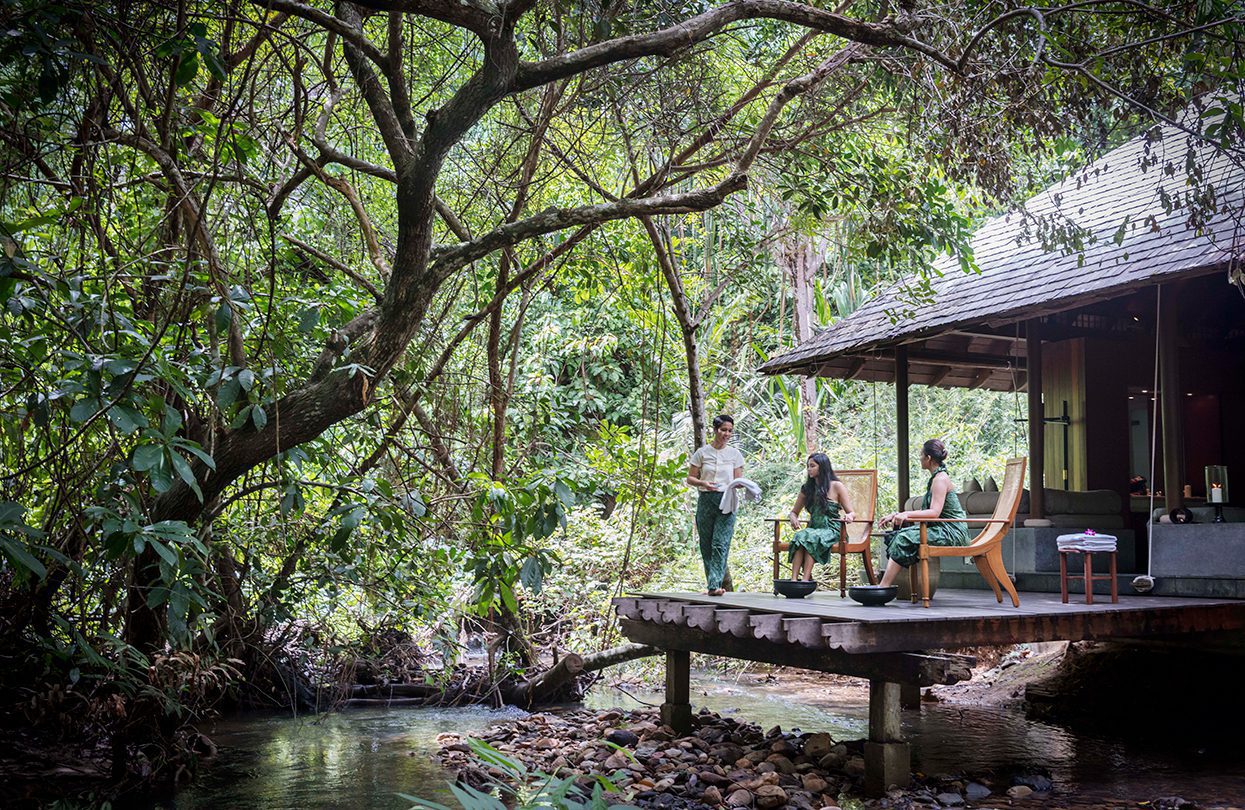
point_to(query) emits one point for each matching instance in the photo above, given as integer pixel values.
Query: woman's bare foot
(717, 592)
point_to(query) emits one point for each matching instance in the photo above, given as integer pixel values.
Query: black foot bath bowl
(873, 595)
(794, 588)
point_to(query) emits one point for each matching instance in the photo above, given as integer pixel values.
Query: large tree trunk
(800, 256)
(688, 325)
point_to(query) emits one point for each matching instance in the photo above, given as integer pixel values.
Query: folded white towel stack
(1086, 542)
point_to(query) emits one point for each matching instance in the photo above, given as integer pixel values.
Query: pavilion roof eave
(884, 347)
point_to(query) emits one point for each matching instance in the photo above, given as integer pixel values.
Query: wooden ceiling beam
(855, 368)
(981, 378)
(965, 360)
(940, 374)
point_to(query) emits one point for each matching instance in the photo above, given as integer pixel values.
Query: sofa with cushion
(1095, 509)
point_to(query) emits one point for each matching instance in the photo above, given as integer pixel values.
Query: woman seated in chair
(940, 501)
(825, 497)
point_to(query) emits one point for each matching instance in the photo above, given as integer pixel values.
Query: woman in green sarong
(940, 501)
(826, 498)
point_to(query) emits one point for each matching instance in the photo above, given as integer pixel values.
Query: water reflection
(356, 759)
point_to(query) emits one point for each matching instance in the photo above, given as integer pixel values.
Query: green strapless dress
(821, 534)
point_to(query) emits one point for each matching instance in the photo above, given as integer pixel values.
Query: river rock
(855, 766)
(623, 737)
(975, 791)
(1038, 782)
(711, 796)
(616, 761)
(726, 753)
(950, 799)
(814, 783)
(780, 762)
(712, 778)
(770, 796)
(767, 767)
(1173, 803)
(817, 746)
(784, 747)
(833, 761)
(1019, 791)
(739, 798)
(545, 744)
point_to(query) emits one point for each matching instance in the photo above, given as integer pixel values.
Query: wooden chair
(862, 491)
(986, 549)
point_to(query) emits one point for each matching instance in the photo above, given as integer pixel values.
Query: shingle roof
(1020, 279)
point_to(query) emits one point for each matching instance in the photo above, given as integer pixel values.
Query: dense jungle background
(345, 343)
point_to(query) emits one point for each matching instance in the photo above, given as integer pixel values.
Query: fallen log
(617, 655)
(394, 690)
(542, 686)
(359, 703)
(547, 686)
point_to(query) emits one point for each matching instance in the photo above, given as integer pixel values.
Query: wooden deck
(888, 644)
(955, 619)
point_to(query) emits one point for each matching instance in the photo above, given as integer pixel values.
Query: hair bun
(935, 449)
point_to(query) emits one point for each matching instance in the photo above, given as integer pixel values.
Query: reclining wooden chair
(986, 550)
(862, 489)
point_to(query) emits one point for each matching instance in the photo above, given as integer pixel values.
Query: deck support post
(1037, 426)
(1171, 401)
(888, 759)
(909, 696)
(901, 424)
(676, 712)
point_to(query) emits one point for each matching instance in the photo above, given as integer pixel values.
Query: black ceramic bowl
(794, 588)
(873, 595)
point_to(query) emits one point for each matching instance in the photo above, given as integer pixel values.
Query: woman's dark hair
(817, 490)
(935, 449)
(719, 421)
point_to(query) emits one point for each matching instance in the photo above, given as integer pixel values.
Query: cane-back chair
(862, 493)
(986, 549)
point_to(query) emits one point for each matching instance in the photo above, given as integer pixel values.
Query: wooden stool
(1089, 577)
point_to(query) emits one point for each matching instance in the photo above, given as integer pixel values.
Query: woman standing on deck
(825, 497)
(712, 468)
(940, 501)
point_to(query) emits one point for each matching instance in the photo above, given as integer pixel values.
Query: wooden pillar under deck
(901, 424)
(1037, 422)
(1171, 400)
(676, 712)
(888, 759)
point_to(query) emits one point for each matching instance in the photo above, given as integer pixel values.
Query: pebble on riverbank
(723, 763)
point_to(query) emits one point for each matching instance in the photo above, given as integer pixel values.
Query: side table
(1089, 577)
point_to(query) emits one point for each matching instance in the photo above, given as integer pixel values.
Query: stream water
(365, 758)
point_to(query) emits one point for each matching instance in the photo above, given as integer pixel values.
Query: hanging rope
(1147, 583)
(1013, 365)
(875, 424)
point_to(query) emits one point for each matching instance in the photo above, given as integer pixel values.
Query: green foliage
(519, 788)
(509, 527)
